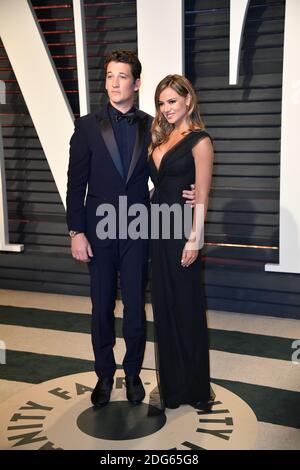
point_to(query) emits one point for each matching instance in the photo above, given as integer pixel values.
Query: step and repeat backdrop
(243, 221)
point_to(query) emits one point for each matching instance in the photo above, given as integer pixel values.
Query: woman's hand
(188, 256)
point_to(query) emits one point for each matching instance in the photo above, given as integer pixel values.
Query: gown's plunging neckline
(173, 147)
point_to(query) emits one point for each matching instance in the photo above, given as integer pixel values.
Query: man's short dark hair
(127, 57)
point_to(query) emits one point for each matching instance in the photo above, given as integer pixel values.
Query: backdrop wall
(242, 230)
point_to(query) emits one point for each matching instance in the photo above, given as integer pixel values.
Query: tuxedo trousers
(129, 258)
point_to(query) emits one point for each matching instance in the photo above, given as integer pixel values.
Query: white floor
(224, 365)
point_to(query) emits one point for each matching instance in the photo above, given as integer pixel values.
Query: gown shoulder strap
(200, 134)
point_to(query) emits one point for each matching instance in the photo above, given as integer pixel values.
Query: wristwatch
(73, 233)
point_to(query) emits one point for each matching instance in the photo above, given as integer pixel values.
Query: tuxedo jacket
(95, 163)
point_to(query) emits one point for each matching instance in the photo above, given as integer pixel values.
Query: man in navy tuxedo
(108, 155)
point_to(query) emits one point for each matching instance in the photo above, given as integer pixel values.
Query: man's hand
(81, 249)
(190, 195)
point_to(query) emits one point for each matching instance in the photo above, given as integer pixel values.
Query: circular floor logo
(58, 415)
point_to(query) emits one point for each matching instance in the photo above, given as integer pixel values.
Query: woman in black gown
(181, 153)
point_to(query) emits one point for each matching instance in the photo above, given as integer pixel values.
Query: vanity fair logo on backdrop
(43, 90)
(38, 418)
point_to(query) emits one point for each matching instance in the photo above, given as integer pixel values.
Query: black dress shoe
(101, 393)
(172, 405)
(135, 391)
(205, 405)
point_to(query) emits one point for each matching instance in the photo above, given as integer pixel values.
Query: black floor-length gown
(177, 294)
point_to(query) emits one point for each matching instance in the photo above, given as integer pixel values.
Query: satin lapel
(138, 146)
(111, 144)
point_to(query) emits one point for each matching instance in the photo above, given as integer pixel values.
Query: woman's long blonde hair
(161, 129)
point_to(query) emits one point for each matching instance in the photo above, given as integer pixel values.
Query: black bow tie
(130, 117)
